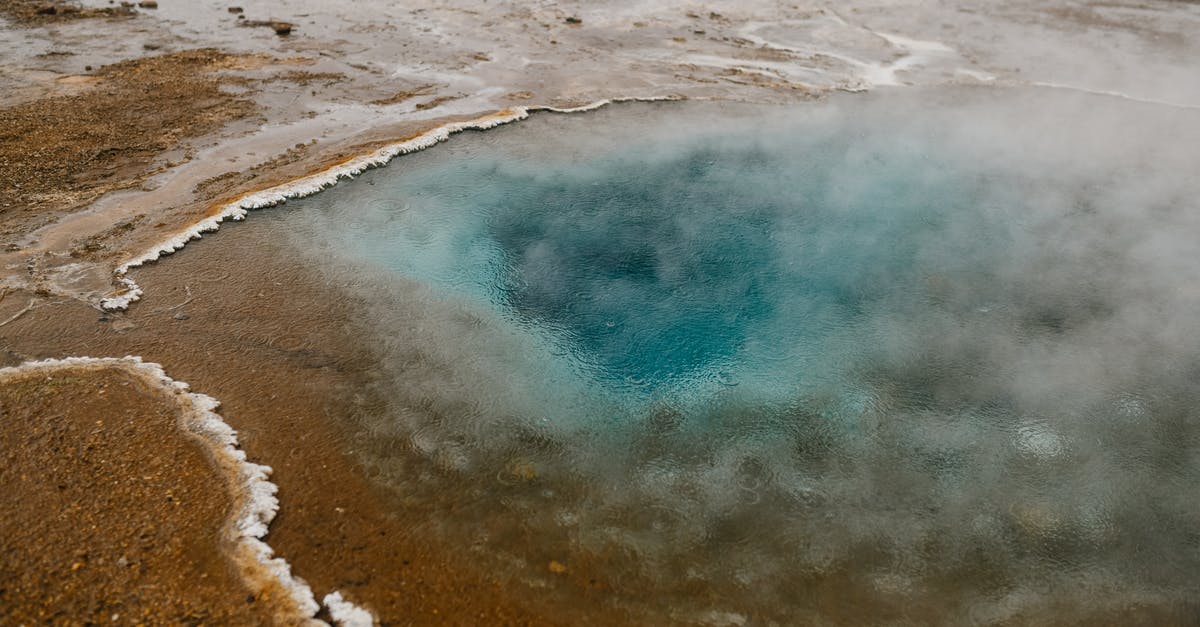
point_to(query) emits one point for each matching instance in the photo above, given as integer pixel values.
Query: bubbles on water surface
(850, 359)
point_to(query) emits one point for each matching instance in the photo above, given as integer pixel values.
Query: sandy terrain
(110, 512)
(121, 126)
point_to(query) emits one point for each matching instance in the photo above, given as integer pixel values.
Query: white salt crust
(255, 500)
(309, 185)
(345, 613)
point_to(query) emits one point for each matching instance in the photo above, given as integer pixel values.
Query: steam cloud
(935, 349)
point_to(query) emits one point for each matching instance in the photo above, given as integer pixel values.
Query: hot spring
(907, 356)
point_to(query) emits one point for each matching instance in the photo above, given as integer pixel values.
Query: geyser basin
(918, 355)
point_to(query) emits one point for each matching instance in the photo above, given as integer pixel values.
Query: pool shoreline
(315, 182)
(252, 503)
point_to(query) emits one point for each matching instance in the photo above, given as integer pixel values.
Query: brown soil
(43, 11)
(436, 102)
(110, 512)
(401, 96)
(62, 152)
(288, 389)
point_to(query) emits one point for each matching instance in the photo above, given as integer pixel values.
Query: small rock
(181, 316)
(87, 68)
(122, 562)
(148, 4)
(282, 29)
(234, 9)
(47, 10)
(574, 20)
(104, 318)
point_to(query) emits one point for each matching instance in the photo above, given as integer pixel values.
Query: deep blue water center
(623, 272)
(664, 269)
(662, 272)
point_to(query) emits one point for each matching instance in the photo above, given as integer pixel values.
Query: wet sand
(112, 514)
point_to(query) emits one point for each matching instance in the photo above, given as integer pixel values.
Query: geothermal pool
(899, 356)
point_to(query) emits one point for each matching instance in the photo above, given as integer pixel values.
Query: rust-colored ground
(287, 388)
(111, 513)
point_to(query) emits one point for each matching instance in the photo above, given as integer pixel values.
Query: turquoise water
(652, 277)
(938, 347)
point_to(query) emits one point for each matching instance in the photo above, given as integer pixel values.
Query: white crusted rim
(130, 292)
(255, 501)
(345, 613)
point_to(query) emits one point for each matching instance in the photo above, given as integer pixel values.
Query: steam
(938, 347)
